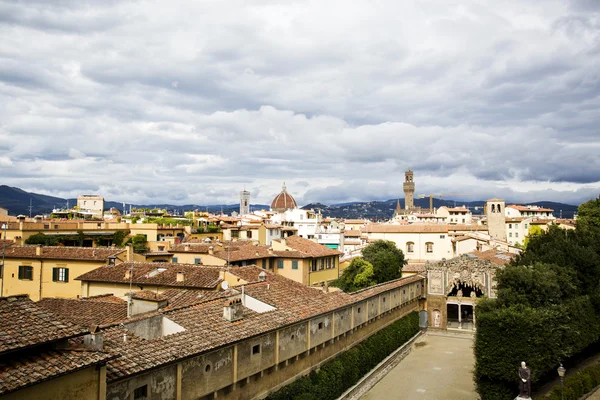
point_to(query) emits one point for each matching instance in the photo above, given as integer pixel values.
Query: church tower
(409, 190)
(244, 202)
(496, 221)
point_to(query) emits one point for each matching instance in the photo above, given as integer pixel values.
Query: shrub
(339, 374)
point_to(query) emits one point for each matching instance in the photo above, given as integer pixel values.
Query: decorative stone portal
(454, 287)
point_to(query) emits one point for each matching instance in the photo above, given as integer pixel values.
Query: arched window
(493, 208)
(498, 208)
(410, 247)
(429, 247)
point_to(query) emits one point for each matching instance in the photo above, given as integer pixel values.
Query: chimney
(186, 247)
(211, 250)
(233, 310)
(38, 250)
(112, 261)
(180, 276)
(270, 251)
(130, 252)
(95, 339)
(128, 273)
(262, 277)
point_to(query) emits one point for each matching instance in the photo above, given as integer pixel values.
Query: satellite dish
(224, 285)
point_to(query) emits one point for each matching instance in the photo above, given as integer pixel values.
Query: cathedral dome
(283, 201)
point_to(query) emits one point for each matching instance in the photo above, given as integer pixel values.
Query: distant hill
(17, 201)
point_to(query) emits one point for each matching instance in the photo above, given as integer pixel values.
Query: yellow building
(50, 271)
(40, 359)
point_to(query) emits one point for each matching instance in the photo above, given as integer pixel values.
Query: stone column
(459, 317)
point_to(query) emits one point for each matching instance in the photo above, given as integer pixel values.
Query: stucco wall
(162, 385)
(206, 373)
(249, 363)
(84, 384)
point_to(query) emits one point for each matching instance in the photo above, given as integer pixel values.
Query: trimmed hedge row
(540, 336)
(339, 374)
(577, 385)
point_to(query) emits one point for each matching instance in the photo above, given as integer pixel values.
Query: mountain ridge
(17, 201)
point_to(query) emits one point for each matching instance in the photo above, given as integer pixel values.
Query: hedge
(577, 385)
(336, 376)
(542, 337)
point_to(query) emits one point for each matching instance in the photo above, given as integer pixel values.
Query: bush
(339, 374)
(577, 385)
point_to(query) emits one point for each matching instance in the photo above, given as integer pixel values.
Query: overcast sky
(190, 102)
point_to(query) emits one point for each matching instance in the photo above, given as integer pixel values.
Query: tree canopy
(382, 261)
(547, 309)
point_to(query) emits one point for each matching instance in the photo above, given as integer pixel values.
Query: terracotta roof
(529, 208)
(63, 252)
(413, 228)
(179, 298)
(283, 201)
(416, 268)
(245, 252)
(495, 256)
(158, 274)
(467, 227)
(516, 219)
(148, 295)
(462, 238)
(25, 324)
(204, 326)
(355, 221)
(352, 233)
(456, 209)
(309, 247)
(18, 373)
(88, 311)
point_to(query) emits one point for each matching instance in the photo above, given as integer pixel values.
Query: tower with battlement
(409, 190)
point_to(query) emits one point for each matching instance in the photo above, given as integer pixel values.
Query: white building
(517, 211)
(455, 215)
(417, 242)
(90, 203)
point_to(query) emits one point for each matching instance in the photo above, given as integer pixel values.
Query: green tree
(140, 243)
(118, 237)
(358, 275)
(386, 258)
(40, 238)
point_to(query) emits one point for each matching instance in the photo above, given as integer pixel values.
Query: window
(161, 248)
(249, 235)
(320, 325)
(197, 260)
(516, 234)
(256, 349)
(509, 226)
(141, 393)
(235, 234)
(279, 264)
(295, 264)
(510, 234)
(358, 310)
(410, 247)
(175, 259)
(443, 236)
(525, 226)
(60, 274)
(264, 263)
(429, 247)
(25, 273)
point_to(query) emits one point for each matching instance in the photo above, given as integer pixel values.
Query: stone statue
(524, 381)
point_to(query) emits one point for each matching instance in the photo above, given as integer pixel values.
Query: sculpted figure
(524, 381)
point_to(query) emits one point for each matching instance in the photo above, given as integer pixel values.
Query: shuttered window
(25, 272)
(60, 274)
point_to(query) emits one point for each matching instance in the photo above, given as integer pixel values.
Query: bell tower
(244, 202)
(409, 190)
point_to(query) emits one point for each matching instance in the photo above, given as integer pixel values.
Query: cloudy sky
(191, 101)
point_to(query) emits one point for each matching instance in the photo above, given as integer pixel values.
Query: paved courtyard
(442, 369)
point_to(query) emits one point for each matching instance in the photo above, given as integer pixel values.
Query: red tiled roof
(24, 324)
(529, 208)
(63, 252)
(88, 311)
(494, 256)
(352, 233)
(18, 373)
(309, 247)
(283, 201)
(159, 274)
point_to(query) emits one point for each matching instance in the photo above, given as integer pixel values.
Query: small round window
(207, 368)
